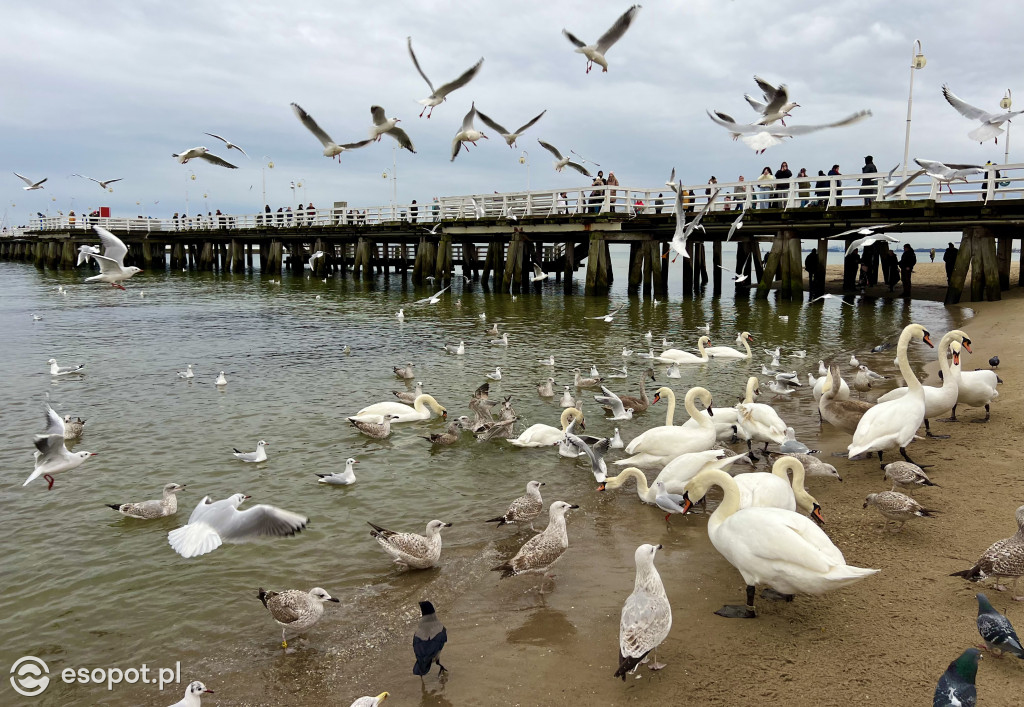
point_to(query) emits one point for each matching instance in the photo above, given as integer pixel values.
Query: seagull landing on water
(509, 136)
(776, 105)
(112, 267)
(331, 148)
(52, 457)
(31, 185)
(103, 184)
(595, 52)
(228, 144)
(563, 162)
(468, 133)
(213, 523)
(990, 122)
(203, 154)
(260, 455)
(383, 125)
(438, 95)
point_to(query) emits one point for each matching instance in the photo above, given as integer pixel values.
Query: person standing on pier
(907, 263)
(612, 181)
(597, 194)
(834, 172)
(658, 203)
(821, 190)
(804, 185)
(740, 193)
(414, 212)
(563, 203)
(867, 186)
(764, 187)
(949, 258)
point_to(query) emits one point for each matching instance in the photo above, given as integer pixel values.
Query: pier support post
(445, 266)
(646, 264)
(237, 263)
(819, 280)
(796, 267)
(598, 268)
(716, 267)
(771, 267)
(206, 257)
(513, 274)
(274, 258)
(569, 266)
(69, 255)
(1003, 256)
(657, 269)
(147, 255)
(850, 268)
(687, 263)
(636, 258)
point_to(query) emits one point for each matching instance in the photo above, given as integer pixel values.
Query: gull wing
(904, 184)
(113, 247)
(224, 140)
(76, 174)
(119, 179)
(417, 65)
(769, 90)
(24, 179)
(403, 139)
(494, 126)
(378, 114)
(963, 108)
(573, 38)
(261, 521)
(546, 145)
(579, 168)
(466, 77)
(754, 103)
(108, 265)
(456, 146)
(54, 425)
(794, 130)
(696, 221)
(615, 32)
(311, 125)
(736, 225)
(220, 161)
(355, 145)
(467, 122)
(538, 272)
(780, 99)
(528, 125)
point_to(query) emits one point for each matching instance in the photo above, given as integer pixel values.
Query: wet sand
(929, 282)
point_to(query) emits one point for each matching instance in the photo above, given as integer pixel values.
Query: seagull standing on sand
(294, 610)
(409, 549)
(331, 148)
(990, 122)
(438, 95)
(112, 268)
(31, 185)
(103, 184)
(228, 144)
(544, 549)
(167, 505)
(595, 52)
(203, 154)
(428, 641)
(468, 133)
(260, 455)
(52, 457)
(383, 125)
(215, 522)
(646, 616)
(193, 695)
(509, 136)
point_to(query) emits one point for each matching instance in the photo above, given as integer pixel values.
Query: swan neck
(731, 490)
(913, 384)
(746, 345)
(751, 387)
(670, 414)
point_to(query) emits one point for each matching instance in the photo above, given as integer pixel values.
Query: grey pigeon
(956, 686)
(994, 361)
(428, 641)
(996, 630)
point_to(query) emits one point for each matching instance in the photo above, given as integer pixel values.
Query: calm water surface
(84, 586)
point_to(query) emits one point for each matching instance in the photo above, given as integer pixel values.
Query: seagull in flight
(230, 145)
(383, 124)
(760, 137)
(867, 230)
(313, 257)
(538, 275)
(438, 95)
(509, 136)
(871, 240)
(563, 162)
(990, 122)
(736, 225)
(942, 173)
(434, 298)
(331, 148)
(112, 268)
(735, 276)
(103, 184)
(828, 296)
(203, 154)
(776, 105)
(606, 317)
(468, 133)
(595, 52)
(37, 185)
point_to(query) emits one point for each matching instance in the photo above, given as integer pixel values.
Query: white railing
(794, 192)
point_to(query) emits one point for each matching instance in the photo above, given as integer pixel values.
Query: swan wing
(785, 537)
(386, 408)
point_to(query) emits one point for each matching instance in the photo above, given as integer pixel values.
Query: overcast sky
(111, 89)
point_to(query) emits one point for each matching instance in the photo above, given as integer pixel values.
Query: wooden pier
(497, 239)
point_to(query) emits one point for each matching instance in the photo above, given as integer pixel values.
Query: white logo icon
(29, 676)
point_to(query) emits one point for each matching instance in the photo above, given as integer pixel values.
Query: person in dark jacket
(949, 258)
(821, 190)
(907, 262)
(834, 172)
(811, 266)
(867, 186)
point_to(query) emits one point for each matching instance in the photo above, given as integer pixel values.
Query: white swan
(660, 445)
(941, 399)
(771, 546)
(680, 356)
(419, 410)
(758, 422)
(727, 419)
(975, 389)
(894, 423)
(818, 386)
(541, 435)
(675, 475)
(728, 352)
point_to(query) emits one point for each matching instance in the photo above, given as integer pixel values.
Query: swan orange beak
(816, 515)
(928, 340)
(687, 503)
(750, 338)
(956, 359)
(966, 343)
(657, 397)
(601, 487)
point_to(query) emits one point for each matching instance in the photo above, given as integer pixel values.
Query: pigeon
(994, 361)
(295, 610)
(996, 630)
(956, 686)
(260, 455)
(193, 695)
(428, 641)
(213, 523)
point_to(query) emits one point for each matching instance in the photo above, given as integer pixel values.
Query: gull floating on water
(221, 380)
(439, 94)
(112, 268)
(187, 374)
(31, 185)
(103, 183)
(563, 162)
(377, 430)
(509, 136)
(167, 505)
(51, 456)
(549, 361)
(776, 104)
(193, 695)
(73, 429)
(503, 341)
(761, 137)
(400, 314)
(294, 610)
(496, 376)
(459, 350)
(595, 52)
(228, 144)
(215, 522)
(384, 125)
(203, 154)
(331, 148)
(260, 455)
(56, 370)
(468, 133)
(990, 122)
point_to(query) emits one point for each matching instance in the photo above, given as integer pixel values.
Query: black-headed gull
(776, 105)
(828, 296)
(193, 695)
(31, 185)
(340, 478)
(438, 95)
(434, 298)
(167, 505)
(104, 183)
(221, 380)
(867, 230)
(736, 225)
(941, 173)
(539, 274)
(213, 523)
(228, 144)
(187, 374)
(56, 370)
(383, 125)
(203, 154)
(870, 240)
(294, 610)
(509, 136)
(608, 318)
(331, 148)
(85, 253)
(468, 133)
(760, 137)
(260, 455)
(595, 52)
(112, 267)
(990, 122)
(52, 457)
(563, 162)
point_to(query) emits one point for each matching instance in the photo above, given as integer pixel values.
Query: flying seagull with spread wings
(509, 136)
(595, 52)
(438, 95)
(760, 137)
(331, 148)
(563, 162)
(103, 184)
(776, 104)
(990, 122)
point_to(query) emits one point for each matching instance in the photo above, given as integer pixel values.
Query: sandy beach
(929, 281)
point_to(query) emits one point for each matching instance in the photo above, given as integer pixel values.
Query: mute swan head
(664, 392)
(430, 402)
(573, 414)
(702, 394)
(745, 336)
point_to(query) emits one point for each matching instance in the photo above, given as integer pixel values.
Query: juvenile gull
(112, 267)
(193, 695)
(331, 148)
(646, 616)
(56, 370)
(260, 455)
(547, 388)
(295, 610)
(428, 641)
(540, 552)
(451, 435)
(524, 509)
(166, 506)
(1003, 558)
(51, 456)
(407, 397)
(896, 506)
(509, 136)
(405, 371)
(438, 95)
(368, 701)
(377, 430)
(595, 52)
(996, 630)
(73, 429)
(203, 154)
(410, 549)
(340, 478)
(906, 475)
(567, 400)
(215, 522)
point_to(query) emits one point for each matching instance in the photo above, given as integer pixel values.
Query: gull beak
(93, 454)
(573, 506)
(816, 515)
(247, 498)
(335, 600)
(356, 462)
(209, 691)
(447, 525)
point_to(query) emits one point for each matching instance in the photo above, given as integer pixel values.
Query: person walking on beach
(949, 258)
(764, 186)
(834, 172)
(907, 263)
(811, 266)
(867, 186)
(612, 181)
(931, 254)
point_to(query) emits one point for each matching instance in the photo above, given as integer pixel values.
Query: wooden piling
(771, 267)
(1003, 256)
(646, 254)
(569, 266)
(819, 288)
(636, 258)
(513, 273)
(598, 268)
(716, 267)
(960, 269)
(445, 267)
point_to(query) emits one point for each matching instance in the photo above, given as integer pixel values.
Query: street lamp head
(299, 185)
(522, 160)
(270, 164)
(1006, 103)
(919, 61)
(193, 177)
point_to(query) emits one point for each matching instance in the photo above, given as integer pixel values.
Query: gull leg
(284, 640)
(49, 479)
(114, 284)
(656, 665)
(421, 115)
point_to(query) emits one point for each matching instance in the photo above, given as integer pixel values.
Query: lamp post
(1006, 104)
(268, 164)
(524, 158)
(917, 61)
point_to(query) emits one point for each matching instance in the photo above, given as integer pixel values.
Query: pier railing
(830, 191)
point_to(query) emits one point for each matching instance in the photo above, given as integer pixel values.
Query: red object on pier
(104, 212)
